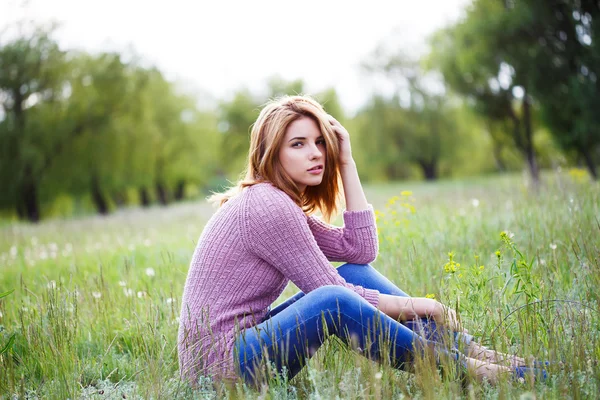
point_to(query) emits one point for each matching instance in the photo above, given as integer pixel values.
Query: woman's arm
(355, 242)
(353, 191)
(408, 308)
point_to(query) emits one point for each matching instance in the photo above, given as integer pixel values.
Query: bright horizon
(217, 48)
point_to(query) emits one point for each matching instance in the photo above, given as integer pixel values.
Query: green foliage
(94, 125)
(545, 51)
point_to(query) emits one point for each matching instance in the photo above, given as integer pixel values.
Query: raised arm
(353, 191)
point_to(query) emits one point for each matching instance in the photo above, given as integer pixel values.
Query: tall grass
(94, 312)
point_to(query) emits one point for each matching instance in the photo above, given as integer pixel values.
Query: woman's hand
(409, 308)
(344, 141)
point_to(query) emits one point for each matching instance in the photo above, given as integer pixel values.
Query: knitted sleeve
(356, 242)
(275, 229)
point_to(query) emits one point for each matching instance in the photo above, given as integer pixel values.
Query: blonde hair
(266, 140)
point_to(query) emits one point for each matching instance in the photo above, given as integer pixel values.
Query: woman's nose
(316, 152)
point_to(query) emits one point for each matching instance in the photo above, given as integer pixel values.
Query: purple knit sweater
(249, 250)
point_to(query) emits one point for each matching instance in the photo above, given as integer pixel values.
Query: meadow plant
(95, 307)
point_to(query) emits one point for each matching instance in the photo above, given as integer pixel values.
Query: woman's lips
(316, 170)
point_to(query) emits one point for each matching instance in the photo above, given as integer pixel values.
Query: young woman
(265, 234)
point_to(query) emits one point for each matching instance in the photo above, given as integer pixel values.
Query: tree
(560, 38)
(423, 130)
(32, 74)
(494, 79)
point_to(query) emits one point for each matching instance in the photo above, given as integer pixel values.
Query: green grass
(96, 301)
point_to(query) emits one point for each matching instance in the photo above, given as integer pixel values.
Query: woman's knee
(349, 269)
(334, 295)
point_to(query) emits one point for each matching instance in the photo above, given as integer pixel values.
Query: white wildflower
(128, 292)
(150, 272)
(170, 300)
(553, 246)
(52, 285)
(141, 295)
(122, 283)
(378, 375)
(96, 295)
(475, 202)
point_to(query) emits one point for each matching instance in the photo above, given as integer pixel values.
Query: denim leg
(290, 337)
(366, 276)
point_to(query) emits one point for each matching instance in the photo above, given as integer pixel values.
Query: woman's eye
(297, 144)
(321, 142)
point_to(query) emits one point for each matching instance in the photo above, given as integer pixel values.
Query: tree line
(511, 84)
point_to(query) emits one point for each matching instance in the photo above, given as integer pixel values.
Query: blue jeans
(294, 330)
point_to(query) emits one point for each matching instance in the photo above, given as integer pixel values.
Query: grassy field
(94, 312)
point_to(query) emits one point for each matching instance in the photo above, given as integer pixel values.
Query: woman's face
(302, 154)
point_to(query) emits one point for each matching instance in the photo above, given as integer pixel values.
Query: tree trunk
(589, 162)
(29, 202)
(98, 197)
(144, 197)
(429, 170)
(180, 191)
(161, 192)
(497, 152)
(528, 142)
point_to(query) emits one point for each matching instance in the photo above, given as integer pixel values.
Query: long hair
(266, 140)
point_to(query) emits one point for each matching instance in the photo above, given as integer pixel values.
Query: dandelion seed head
(475, 202)
(378, 375)
(150, 272)
(141, 294)
(96, 295)
(553, 246)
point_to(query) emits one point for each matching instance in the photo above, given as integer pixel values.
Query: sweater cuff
(359, 219)
(372, 296)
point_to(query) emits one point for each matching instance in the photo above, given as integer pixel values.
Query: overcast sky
(220, 46)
